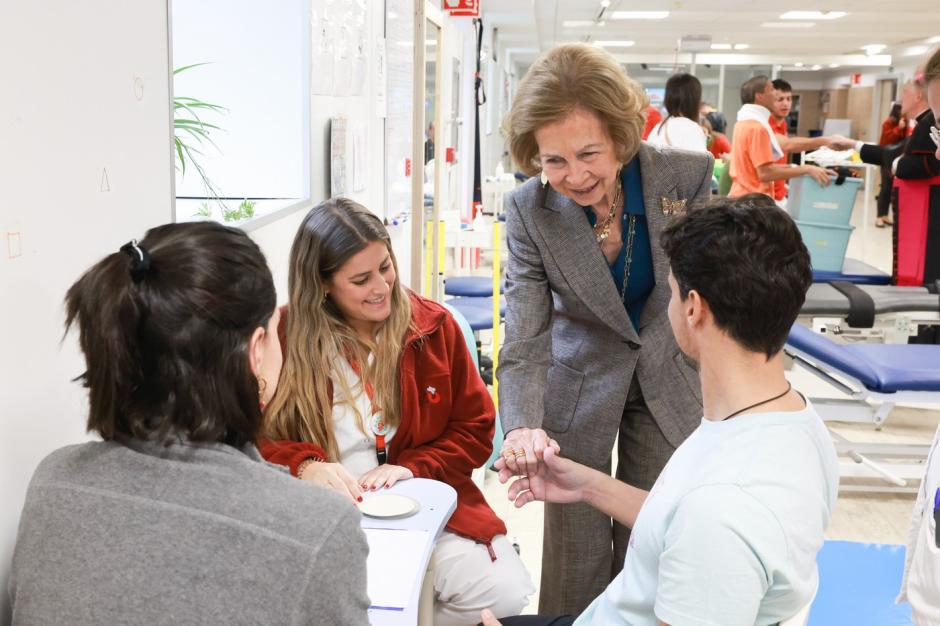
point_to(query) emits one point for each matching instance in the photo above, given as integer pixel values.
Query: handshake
(532, 459)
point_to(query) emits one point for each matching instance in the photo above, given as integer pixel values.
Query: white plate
(389, 506)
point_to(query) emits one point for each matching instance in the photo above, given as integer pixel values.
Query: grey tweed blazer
(570, 350)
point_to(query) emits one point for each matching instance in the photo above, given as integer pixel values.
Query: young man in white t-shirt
(728, 535)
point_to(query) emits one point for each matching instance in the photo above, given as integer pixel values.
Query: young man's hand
(838, 142)
(557, 480)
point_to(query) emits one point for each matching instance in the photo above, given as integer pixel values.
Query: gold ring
(520, 454)
(509, 453)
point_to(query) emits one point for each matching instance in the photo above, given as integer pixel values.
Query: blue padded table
(882, 368)
(857, 585)
(483, 303)
(854, 271)
(469, 286)
(870, 379)
(479, 317)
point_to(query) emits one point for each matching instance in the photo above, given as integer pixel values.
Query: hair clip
(140, 258)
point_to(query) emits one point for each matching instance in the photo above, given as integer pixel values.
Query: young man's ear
(696, 308)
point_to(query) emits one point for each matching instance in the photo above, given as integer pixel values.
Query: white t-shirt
(678, 132)
(921, 585)
(729, 533)
(356, 450)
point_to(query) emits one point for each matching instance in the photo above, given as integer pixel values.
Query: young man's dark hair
(683, 96)
(747, 260)
(752, 87)
(782, 85)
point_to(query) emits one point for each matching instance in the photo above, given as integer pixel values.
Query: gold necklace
(602, 229)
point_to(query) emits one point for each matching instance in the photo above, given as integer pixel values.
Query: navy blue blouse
(642, 279)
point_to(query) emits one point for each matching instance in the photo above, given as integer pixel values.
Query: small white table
(438, 501)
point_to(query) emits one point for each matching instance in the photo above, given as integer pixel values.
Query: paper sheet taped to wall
(395, 565)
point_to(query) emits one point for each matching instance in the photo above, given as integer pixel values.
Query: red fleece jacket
(448, 418)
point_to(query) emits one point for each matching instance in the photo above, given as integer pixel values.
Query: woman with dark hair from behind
(681, 129)
(174, 516)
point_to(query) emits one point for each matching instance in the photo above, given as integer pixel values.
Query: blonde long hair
(318, 335)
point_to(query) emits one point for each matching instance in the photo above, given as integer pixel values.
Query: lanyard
(377, 423)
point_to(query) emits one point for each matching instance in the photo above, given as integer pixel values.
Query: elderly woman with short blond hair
(589, 353)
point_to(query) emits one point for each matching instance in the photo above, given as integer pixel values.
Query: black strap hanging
(481, 100)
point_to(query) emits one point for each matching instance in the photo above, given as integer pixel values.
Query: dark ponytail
(166, 340)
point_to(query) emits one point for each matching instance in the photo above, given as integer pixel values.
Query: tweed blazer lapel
(565, 228)
(662, 203)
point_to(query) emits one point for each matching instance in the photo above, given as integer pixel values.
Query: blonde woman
(378, 386)
(589, 352)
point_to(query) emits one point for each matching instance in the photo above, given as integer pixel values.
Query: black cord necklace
(748, 408)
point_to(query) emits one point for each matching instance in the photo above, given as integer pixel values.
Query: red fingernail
(359, 498)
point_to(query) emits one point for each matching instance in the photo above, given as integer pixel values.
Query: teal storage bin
(809, 202)
(826, 244)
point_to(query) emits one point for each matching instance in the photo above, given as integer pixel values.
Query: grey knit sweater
(137, 533)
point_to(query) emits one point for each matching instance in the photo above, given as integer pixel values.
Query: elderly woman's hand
(523, 449)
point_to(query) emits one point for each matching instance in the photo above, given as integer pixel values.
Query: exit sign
(464, 8)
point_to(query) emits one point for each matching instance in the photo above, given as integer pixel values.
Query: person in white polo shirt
(728, 535)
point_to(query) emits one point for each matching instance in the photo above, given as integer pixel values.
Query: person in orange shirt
(783, 104)
(779, 116)
(756, 148)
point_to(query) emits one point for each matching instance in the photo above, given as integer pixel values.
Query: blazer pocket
(689, 374)
(561, 397)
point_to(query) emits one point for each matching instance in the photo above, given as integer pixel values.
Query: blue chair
(472, 347)
(857, 585)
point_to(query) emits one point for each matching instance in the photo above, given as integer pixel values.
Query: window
(241, 88)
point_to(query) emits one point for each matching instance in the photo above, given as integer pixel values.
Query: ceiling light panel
(639, 15)
(788, 24)
(621, 43)
(813, 15)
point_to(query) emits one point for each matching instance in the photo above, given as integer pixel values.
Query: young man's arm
(804, 144)
(563, 481)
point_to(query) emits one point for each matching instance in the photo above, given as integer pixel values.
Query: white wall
(492, 141)
(85, 89)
